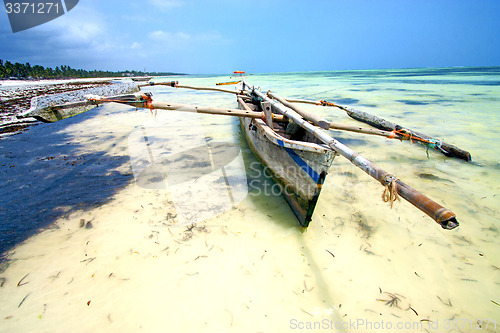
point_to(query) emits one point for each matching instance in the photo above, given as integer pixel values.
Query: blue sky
(220, 36)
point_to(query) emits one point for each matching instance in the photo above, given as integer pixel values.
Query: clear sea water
(116, 220)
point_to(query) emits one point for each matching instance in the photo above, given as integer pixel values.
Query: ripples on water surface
(116, 256)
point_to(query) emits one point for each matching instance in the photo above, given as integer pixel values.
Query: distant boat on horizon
(142, 78)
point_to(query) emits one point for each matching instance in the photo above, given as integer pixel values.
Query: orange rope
(148, 101)
(390, 193)
(410, 136)
(326, 103)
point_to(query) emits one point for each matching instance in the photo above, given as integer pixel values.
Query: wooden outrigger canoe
(297, 161)
(141, 78)
(314, 134)
(60, 106)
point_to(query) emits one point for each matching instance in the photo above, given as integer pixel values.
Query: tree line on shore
(16, 70)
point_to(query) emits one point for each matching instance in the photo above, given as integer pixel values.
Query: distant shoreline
(6, 82)
(16, 95)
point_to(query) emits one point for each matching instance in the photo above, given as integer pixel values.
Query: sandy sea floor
(127, 243)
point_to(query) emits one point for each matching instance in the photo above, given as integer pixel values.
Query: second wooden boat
(141, 78)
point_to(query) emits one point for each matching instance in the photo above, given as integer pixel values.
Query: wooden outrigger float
(291, 143)
(394, 129)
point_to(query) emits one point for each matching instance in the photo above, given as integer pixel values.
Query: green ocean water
(360, 267)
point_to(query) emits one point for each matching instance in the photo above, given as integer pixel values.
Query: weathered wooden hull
(142, 79)
(300, 168)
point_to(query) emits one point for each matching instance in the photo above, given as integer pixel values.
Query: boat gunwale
(278, 140)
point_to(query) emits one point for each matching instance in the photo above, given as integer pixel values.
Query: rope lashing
(431, 143)
(326, 103)
(410, 135)
(255, 96)
(435, 144)
(390, 193)
(147, 99)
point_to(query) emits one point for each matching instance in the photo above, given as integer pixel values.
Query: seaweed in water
(347, 101)
(363, 225)
(392, 301)
(397, 301)
(410, 102)
(430, 176)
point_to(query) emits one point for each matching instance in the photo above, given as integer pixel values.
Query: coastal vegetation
(9, 70)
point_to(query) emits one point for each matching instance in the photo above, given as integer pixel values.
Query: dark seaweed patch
(398, 89)
(446, 101)
(410, 102)
(432, 177)
(347, 101)
(447, 82)
(353, 142)
(185, 157)
(419, 75)
(200, 164)
(366, 90)
(347, 174)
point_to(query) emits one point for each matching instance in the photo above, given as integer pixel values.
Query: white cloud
(166, 4)
(83, 28)
(165, 36)
(135, 45)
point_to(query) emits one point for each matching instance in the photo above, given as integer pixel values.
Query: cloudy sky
(220, 36)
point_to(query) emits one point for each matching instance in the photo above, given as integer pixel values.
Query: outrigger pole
(382, 127)
(401, 131)
(144, 100)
